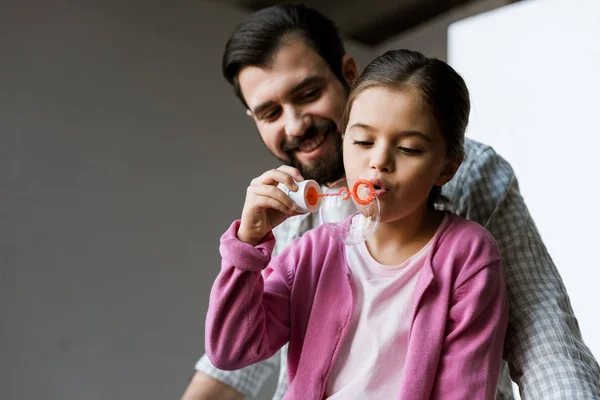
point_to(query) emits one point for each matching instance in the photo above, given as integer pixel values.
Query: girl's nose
(382, 160)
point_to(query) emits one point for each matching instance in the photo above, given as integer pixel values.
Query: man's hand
(203, 387)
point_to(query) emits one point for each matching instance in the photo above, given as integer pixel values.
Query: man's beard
(325, 170)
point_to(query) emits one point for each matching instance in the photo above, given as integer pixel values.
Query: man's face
(297, 103)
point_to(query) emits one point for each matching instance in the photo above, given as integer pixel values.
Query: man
(288, 66)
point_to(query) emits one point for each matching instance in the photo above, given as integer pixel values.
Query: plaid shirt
(544, 350)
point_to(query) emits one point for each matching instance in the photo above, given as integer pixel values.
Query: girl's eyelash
(410, 151)
(406, 150)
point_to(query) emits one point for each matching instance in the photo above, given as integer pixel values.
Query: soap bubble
(352, 219)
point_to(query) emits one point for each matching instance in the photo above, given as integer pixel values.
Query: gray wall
(123, 157)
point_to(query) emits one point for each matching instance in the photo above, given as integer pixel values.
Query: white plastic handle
(303, 197)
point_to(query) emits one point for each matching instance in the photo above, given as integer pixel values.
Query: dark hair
(256, 40)
(438, 84)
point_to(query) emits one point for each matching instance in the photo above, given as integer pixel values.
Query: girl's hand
(267, 206)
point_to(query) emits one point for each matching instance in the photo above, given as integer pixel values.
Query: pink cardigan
(306, 298)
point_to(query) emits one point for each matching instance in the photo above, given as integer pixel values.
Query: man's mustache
(311, 132)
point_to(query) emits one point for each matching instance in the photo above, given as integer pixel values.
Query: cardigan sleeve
(247, 320)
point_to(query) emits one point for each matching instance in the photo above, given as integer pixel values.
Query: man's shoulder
(474, 145)
(480, 184)
(475, 151)
(480, 155)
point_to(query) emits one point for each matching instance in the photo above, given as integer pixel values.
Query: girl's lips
(380, 192)
(378, 183)
(381, 187)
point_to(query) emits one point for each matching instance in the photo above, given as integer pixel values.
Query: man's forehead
(258, 87)
(291, 65)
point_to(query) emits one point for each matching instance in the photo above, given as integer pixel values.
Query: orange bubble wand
(312, 195)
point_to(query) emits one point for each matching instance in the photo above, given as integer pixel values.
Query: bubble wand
(351, 222)
(309, 194)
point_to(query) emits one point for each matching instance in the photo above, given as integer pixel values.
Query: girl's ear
(449, 171)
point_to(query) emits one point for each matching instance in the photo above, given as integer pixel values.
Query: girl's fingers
(296, 175)
(276, 176)
(267, 196)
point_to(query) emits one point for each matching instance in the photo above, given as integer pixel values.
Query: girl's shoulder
(458, 225)
(468, 240)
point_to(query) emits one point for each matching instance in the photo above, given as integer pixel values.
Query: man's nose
(296, 123)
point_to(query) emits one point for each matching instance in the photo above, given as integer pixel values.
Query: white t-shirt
(371, 361)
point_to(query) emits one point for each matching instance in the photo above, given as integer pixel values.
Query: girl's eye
(362, 143)
(410, 151)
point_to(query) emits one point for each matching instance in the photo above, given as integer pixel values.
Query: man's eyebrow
(366, 127)
(310, 80)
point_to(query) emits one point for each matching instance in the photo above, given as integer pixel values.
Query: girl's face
(392, 139)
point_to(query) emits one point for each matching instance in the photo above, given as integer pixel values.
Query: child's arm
(246, 323)
(471, 356)
(248, 316)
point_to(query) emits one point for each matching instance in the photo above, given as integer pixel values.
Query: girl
(419, 311)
